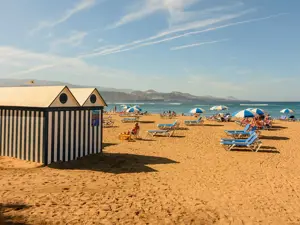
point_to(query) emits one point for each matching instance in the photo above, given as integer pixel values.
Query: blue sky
(244, 48)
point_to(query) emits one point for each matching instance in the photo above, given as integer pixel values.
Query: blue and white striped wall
(21, 134)
(49, 136)
(71, 135)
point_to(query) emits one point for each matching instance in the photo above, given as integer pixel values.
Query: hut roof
(83, 96)
(37, 96)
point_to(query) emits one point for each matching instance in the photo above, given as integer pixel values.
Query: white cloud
(148, 41)
(75, 39)
(143, 42)
(78, 7)
(52, 67)
(197, 44)
(174, 8)
(31, 65)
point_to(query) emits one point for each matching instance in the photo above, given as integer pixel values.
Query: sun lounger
(168, 125)
(252, 142)
(130, 120)
(199, 121)
(238, 131)
(243, 134)
(252, 133)
(108, 122)
(166, 133)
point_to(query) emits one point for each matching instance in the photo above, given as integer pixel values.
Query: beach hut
(46, 124)
(88, 97)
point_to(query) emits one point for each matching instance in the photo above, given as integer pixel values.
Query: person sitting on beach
(221, 117)
(135, 129)
(257, 123)
(267, 122)
(245, 121)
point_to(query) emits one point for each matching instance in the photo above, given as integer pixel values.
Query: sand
(186, 179)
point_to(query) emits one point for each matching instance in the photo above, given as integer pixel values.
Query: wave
(254, 104)
(175, 103)
(129, 103)
(201, 105)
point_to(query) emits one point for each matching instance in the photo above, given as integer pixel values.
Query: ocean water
(273, 108)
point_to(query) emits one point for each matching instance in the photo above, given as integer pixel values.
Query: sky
(249, 49)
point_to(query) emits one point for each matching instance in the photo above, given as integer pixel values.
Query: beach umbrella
(256, 111)
(136, 106)
(219, 107)
(287, 111)
(243, 114)
(197, 110)
(133, 110)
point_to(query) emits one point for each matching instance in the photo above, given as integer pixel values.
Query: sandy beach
(186, 179)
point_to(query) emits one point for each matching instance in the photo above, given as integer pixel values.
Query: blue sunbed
(238, 131)
(167, 133)
(129, 120)
(193, 122)
(252, 133)
(167, 125)
(252, 142)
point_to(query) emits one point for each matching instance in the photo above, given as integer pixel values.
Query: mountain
(26, 82)
(119, 95)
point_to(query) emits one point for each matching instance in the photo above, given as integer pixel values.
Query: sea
(273, 108)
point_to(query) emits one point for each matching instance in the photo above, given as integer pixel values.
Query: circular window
(63, 98)
(93, 98)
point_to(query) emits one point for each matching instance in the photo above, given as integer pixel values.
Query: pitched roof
(36, 96)
(83, 96)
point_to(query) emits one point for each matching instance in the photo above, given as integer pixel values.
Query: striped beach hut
(47, 124)
(88, 97)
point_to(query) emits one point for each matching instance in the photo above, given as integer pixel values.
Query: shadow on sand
(182, 128)
(116, 163)
(146, 121)
(107, 127)
(263, 149)
(213, 125)
(11, 209)
(277, 138)
(277, 128)
(104, 145)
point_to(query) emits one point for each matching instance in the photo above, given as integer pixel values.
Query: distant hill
(119, 95)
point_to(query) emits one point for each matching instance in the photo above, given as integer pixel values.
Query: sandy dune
(186, 179)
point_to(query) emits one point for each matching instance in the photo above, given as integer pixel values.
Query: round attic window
(63, 98)
(93, 98)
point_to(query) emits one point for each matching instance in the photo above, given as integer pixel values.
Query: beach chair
(199, 121)
(253, 143)
(243, 134)
(168, 125)
(165, 133)
(108, 122)
(238, 131)
(130, 120)
(252, 133)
